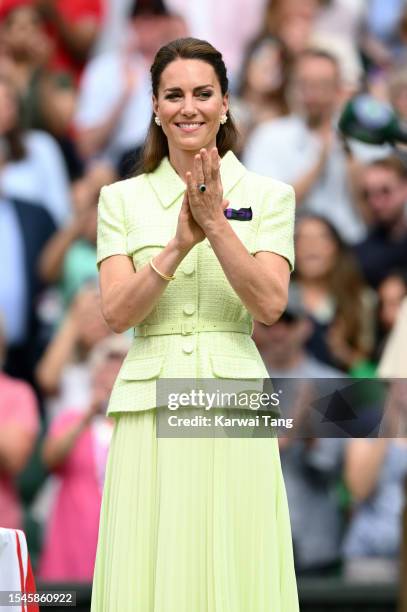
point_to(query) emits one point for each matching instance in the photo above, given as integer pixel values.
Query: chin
(192, 144)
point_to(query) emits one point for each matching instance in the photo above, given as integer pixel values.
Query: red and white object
(15, 567)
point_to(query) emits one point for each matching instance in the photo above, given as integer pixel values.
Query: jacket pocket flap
(228, 366)
(144, 368)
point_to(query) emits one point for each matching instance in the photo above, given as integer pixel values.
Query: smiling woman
(192, 524)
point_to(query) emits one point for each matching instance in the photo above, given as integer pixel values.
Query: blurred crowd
(75, 104)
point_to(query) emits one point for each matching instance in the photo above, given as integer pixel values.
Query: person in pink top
(75, 449)
(19, 427)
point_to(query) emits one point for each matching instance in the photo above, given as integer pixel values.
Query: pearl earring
(157, 120)
(223, 119)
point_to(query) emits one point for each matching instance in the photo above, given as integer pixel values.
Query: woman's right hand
(188, 232)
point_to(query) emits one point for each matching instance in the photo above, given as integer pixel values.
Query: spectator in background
(114, 25)
(47, 96)
(283, 345)
(375, 471)
(292, 21)
(261, 90)
(303, 149)
(312, 466)
(74, 27)
(397, 90)
(342, 16)
(75, 449)
(391, 293)
(381, 41)
(63, 372)
(229, 26)
(69, 258)
(26, 51)
(316, 23)
(114, 107)
(31, 165)
(383, 188)
(332, 292)
(25, 228)
(19, 427)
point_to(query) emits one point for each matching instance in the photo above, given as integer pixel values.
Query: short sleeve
(111, 233)
(276, 227)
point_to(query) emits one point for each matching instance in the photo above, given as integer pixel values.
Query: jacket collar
(168, 186)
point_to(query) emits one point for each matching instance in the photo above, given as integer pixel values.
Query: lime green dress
(191, 524)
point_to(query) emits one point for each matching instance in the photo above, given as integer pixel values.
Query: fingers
(215, 164)
(198, 170)
(191, 186)
(206, 165)
(225, 204)
(184, 205)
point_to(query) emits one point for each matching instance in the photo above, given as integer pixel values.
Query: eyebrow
(195, 88)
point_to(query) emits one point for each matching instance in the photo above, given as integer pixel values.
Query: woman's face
(264, 73)
(316, 250)
(391, 294)
(22, 30)
(190, 104)
(8, 109)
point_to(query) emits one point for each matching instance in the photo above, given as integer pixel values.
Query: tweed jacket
(203, 329)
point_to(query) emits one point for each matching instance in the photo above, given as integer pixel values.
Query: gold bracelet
(164, 276)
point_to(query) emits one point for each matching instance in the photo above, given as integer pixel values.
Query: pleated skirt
(192, 524)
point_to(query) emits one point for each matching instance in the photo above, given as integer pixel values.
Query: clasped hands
(201, 211)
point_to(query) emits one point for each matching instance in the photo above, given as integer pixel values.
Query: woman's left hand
(207, 207)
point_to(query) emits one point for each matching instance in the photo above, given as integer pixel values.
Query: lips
(189, 127)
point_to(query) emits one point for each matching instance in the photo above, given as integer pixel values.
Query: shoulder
(124, 186)
(38, 140)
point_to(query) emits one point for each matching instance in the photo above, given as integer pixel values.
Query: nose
(188, 107)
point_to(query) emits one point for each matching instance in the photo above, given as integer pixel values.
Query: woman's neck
(183, 161)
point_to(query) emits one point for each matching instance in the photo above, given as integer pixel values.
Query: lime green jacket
(199, 328)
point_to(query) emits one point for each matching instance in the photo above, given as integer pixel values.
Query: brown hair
(14, 137)
(392, 163)
(278, 95)
(156, 144)
(317, 53)
(348, 289)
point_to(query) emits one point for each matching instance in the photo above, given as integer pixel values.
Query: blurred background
(75, 103)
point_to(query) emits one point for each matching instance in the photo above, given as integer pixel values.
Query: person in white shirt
(31, 164)
(114, 108)
(304, 148)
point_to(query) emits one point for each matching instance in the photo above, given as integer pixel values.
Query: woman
(30, 160)
(261, 95)
(75, 450)
(332, 291)
(191, 523)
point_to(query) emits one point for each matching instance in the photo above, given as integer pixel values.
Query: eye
(172, 96)
(205, 94)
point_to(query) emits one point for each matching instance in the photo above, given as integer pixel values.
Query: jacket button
(189, 309)
(188, 268)
(188, 347)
